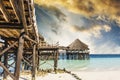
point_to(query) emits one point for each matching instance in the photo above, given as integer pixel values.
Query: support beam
(11, 65)
(29, 10)
(38, 61)
(26, 61)
(5, 61)
(28, 38)
(19, 57)
(22, 15)
(34, 64)
(10, 26)
(7, 71)
(4, 11)
(5, 50)
(55, 61)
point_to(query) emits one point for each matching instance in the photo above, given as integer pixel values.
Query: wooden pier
(20, 42)
(19, 35)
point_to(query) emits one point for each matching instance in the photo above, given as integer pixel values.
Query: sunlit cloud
(94, 30)
(94, 22)
(86, 7)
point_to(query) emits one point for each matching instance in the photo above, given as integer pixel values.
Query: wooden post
(34, 65)
(38, 60)
(55, 61)
(5, 62)
(23, 66)
(19, 57)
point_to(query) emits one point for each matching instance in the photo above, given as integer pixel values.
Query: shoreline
(81, 75)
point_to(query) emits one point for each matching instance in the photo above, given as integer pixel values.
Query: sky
(94, 22)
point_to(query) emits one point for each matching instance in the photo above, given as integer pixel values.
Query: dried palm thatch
(78, 45)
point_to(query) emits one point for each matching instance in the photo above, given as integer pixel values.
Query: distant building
(76, 50)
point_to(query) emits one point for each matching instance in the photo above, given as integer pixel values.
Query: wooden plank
(34, 65)
(19, 56)
(7, 71)
(4, 11)
(10, 25)
(22, 15)
(5, 50)
(16, 10)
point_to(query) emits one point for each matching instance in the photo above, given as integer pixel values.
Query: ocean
(97, 62)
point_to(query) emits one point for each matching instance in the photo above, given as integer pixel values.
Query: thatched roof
(78, 45)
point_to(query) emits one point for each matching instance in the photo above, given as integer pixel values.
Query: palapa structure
(77, 50)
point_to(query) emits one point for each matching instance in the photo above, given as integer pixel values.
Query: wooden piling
(19, 57)
(55, 60)
(34, 65)
(5, 62)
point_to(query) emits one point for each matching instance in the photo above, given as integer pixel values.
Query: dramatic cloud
(87, 7)
(95, 22)
(93, 31)
(49, 17)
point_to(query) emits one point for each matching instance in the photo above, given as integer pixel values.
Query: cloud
(88, 8)
(94, 30)
(95, 22)
(49, 18)
(107, 47)
(55, 28)
(53, 11)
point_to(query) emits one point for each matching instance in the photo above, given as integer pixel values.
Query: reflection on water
(94, 63)
(67, 64)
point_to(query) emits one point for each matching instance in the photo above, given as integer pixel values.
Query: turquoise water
(94, 64)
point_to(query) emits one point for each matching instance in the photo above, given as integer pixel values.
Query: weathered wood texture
(5, 61)
(17, 15)
(22, 16)
(19, 56)
(34, 63)
(55, 60)
(12, 76)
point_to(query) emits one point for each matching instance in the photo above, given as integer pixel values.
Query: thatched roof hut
(78, 45)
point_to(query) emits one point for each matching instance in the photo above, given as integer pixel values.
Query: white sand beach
(84, 75)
